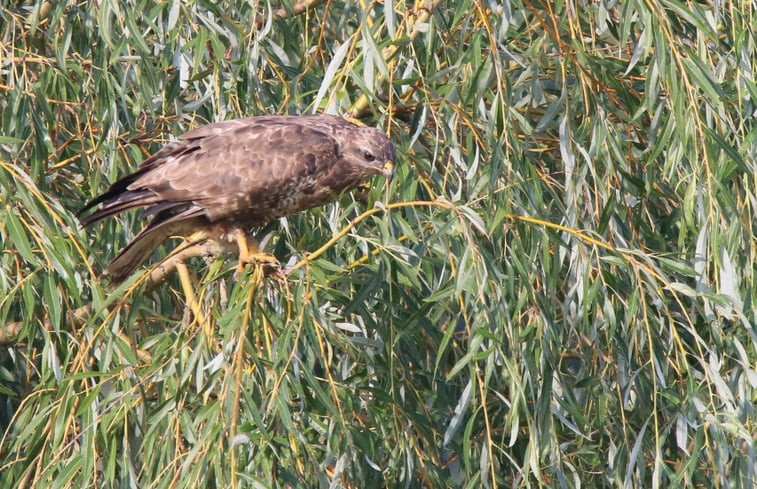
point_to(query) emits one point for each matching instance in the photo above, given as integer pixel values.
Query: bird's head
(371, 152)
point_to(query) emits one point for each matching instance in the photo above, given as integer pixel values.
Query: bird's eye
(368, 155)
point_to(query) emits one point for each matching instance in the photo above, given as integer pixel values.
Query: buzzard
(219, 181)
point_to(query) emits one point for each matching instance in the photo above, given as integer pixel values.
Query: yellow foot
(249, 254)
(256, 259)
(261, 258)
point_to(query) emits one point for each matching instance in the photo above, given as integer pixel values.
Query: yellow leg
(186, 285)
(244, 250)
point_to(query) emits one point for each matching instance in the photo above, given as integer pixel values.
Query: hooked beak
(388, 170)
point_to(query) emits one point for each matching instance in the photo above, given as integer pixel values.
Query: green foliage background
(556, 290)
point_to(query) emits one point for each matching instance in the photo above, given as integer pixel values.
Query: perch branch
(10, 332)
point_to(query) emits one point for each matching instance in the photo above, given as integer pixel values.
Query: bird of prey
(221, 180)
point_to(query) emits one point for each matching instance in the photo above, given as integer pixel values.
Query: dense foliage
(557, 289)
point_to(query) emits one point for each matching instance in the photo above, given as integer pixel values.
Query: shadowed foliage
(557, 288)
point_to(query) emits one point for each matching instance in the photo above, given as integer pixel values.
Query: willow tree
(557, 289)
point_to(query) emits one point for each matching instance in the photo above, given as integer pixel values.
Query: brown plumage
(233, 176)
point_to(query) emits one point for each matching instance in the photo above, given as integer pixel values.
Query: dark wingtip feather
(111, 206)
(115, 193)
(114, 204)
(88, 206)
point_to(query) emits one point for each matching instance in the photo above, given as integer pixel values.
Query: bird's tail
(136, 253)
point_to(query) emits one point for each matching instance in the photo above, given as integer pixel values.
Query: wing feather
(242, 169)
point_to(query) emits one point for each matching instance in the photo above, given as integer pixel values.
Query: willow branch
(420, 15)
